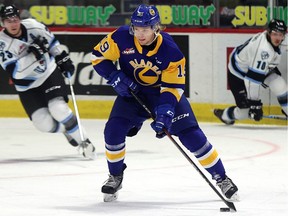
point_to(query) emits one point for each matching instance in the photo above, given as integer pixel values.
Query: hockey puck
(224, 209)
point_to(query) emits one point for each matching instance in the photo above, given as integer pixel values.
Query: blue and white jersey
(252, 61)
(24, 69)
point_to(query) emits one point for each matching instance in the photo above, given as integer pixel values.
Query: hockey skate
(229, 189)
(218, 113)
(70, 139)
(86, 147)
(111, 187)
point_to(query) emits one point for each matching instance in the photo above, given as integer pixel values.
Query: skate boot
(218, 113)
(111, 187)
(87, 148)
(229, 189)
(70, 139)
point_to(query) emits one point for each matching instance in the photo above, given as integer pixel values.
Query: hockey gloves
(164, 115)
(65, 64)
(121, 83)
(38, 47)
(255, 110)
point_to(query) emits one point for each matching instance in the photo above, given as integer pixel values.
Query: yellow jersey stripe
(175, 72)
(209, 159)
(176, 92)
(114, 156)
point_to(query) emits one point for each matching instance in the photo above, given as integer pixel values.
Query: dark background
(84, 43)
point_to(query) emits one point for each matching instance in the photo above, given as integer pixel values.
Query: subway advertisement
(171, 15)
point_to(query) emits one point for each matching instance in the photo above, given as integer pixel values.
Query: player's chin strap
(228, 203)
(155, 38)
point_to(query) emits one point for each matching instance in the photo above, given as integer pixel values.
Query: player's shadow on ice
(118, 207)
(64, 158)
(44, 159)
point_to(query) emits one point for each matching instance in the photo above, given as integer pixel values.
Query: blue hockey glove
(65, 64)
(164, 115)
(255, 110)
(121, 83)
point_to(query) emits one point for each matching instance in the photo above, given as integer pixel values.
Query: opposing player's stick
(279, 117)
(88, 149)
(228, 203)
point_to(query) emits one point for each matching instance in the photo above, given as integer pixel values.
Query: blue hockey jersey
(163, 66)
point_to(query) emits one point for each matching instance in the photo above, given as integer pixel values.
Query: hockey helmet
(145, 15)
(277, 26)
(9, 11)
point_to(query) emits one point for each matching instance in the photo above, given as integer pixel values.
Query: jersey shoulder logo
(2, 45)
(264, 55)
(128, 51)
(22, 48)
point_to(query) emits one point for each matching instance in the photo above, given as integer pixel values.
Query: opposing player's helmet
(145, 15)
(9, 11)
(277, 26)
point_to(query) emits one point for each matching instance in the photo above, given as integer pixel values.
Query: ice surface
(41, 174)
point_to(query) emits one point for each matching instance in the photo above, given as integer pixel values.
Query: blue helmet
(145, 15)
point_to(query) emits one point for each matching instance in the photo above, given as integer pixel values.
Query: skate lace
(225, 185)
(85, 143)
(113, 181)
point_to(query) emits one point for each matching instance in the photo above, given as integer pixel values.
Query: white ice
(42, 175)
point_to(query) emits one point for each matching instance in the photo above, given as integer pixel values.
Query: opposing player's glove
(255, 110)
(164, 115)
(121, 83)
(65, 64)
(38, 47)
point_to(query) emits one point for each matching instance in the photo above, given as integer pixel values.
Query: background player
(252, 65)
(153, 66)
(28, 52)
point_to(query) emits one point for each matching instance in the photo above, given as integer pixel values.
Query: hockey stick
(279, 117)
(228, 203)
(88, 149)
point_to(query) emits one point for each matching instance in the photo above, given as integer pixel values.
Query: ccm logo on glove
(122, 84)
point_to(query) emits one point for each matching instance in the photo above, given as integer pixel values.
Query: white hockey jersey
(252, 61)
(27, 72)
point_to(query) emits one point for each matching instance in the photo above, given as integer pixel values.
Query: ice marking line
(274, 148)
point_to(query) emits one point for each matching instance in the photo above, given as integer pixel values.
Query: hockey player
(154, 68)
(252, 65)
(28, 53)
